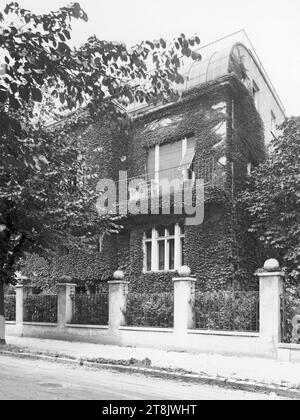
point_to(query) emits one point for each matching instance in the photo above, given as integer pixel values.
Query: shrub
(10, 307)
(91, 309)
(150, 310)
(290, 307)
(227, 311)
(41, 308)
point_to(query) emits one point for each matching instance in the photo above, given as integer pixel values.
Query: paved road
(32, 380)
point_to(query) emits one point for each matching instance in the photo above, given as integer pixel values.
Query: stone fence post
(65, 303)
(184, 297)
(22, 291)
(118, 291)
(270, 291)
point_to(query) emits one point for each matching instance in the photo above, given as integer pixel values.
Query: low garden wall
(227, 322)
(289, 348)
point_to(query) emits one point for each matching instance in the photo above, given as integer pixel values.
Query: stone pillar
(184, 297)
(22, 291)
(65, 303)
(118, 291)
(270, 291)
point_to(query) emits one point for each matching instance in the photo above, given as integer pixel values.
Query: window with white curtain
(163, 248)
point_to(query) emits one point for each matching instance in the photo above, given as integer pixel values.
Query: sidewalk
(260, 371)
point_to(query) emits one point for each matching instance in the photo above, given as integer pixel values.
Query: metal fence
(148, 185)
(10, 307)
(150, 310)
(227, 311)
(290, 318)
(40, 308)
(91, 309)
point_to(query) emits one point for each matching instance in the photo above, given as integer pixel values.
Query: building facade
(218, 131)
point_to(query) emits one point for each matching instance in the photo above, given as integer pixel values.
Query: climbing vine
(219, 252)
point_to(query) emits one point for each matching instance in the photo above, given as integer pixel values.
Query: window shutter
(170, 155)
(151, 161)
(188, 158)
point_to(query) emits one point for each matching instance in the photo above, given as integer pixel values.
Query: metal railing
(147, 185)
(227, 311)
(150, 310)
(290, 318)
(40, 308)
(10, 307)
(91, 309)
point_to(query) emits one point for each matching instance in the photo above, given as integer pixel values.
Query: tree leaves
(273, 199)
(36, 95)
(40, 194)
(24, 93)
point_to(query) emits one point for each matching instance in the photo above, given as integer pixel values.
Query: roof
(216, 63)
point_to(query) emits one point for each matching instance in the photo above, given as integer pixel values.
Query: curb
(203, 379)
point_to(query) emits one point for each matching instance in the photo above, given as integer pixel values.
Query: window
(148, 255)
(172, 161)
(255, 94)
(273, 122)
(163, 248)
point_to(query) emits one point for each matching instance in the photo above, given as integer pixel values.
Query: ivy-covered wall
(246, 143)
(220, 252)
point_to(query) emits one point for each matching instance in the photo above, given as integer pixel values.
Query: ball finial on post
(184, 271)
(118, 275)
(271, 265)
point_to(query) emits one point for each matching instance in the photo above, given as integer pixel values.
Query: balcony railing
(175, 180)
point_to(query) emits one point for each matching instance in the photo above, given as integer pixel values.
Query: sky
(272, 25)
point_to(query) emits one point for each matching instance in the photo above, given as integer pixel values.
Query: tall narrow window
(171, 246)
(148, 250)
(161, 255)
(148, 255)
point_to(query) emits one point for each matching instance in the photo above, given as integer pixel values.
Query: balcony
(160, 185)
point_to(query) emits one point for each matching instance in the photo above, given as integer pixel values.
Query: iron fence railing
(40, 308)
(91, 309)
(150, 310)
(10, 307)
(290, 318)
(148, 185)
(227, 311)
